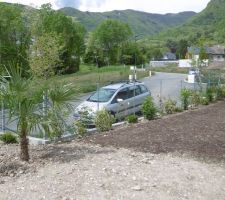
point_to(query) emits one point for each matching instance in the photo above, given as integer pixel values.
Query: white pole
(2, 113)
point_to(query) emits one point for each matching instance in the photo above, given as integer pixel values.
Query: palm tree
(23, 98)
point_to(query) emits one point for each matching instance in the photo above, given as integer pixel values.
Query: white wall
(185, 63)
(188, 63)
(162, 63)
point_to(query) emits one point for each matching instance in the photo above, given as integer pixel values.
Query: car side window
(131, 92)
(137, 90)
(122, 94)
(143, 89)
(134, 90)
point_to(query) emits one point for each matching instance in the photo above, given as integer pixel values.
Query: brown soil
(199, 133)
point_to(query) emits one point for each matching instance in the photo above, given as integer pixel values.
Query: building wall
(163, 63)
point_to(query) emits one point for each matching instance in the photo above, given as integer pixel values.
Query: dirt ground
(177, 157)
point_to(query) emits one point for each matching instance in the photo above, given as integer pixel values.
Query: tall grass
(87, 79)
(170, 69)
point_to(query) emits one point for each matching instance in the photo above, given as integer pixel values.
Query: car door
(119, 103)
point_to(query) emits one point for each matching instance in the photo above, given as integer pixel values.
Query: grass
(170, 69)
(89, 76)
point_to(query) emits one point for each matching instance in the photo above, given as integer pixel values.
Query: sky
(151, 6)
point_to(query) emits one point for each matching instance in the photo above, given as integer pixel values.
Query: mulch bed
(199, 133)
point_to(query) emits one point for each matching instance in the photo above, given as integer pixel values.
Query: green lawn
(88, 77)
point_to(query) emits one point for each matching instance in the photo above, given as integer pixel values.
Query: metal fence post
(160, 96)
(2, 113)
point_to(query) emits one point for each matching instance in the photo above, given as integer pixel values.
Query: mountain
(206, 26)
(140, 22)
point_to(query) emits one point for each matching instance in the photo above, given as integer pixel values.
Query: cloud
(153, 6)
(89, 4)
(68, 3)
(93, 5)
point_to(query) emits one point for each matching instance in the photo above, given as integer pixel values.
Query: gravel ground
(177, 157)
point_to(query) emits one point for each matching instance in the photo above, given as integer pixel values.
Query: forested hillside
(207, 26)
(140, 22)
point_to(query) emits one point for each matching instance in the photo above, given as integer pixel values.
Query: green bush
(185, 94)
(178, 109)
(220, 94)
(104, 120)
(149, 109)
(204, 101)
(223, 91)
(210, 92)
(80, 127)
(8, 138)
(170, 106)
(195, 98)
(132, 119)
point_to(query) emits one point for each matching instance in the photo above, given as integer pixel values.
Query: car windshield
(103, 95)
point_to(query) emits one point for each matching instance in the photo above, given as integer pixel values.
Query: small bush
(195, 98)
(80, 127)
(8, 138)
(219, 93)
(204, 101)
(170, 106)
(210, 92)
(185, 97)
(149, 109)
(132, 119)
(104, 120)
(223, 91)
(178, 109)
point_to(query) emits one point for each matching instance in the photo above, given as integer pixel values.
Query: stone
(137, 188)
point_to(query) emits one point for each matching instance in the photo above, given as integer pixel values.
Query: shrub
(80, 127)
(132, 119)
(170, 106)
(210, 94)
(104, 120)
(8, 138)
(219, 93)
(178, 109)
(149, 109)
(185, 97)
(223, 91)
(204, 101)
(195, 98)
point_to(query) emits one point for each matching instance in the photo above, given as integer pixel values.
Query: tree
(14, 37)
(171, 45)
(182, 49)
(202, 54)
(107, 40)
(45, 55)
(156, 54)
(24, 97)
(70, 34)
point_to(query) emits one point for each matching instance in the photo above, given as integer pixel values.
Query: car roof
(116, 86)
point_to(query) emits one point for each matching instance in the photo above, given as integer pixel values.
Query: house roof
(169, 56)
(194, 50)
(215, 50)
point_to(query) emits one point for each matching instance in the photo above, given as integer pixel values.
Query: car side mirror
(119, 100)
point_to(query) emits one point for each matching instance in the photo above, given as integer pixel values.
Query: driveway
(168, 85)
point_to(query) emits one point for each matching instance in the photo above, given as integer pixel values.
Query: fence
(163, 87)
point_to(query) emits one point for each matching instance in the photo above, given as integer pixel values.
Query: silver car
(120, 99)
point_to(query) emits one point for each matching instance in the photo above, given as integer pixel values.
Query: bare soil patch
(199, 133)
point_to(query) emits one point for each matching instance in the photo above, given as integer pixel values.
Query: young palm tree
(23, 98)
